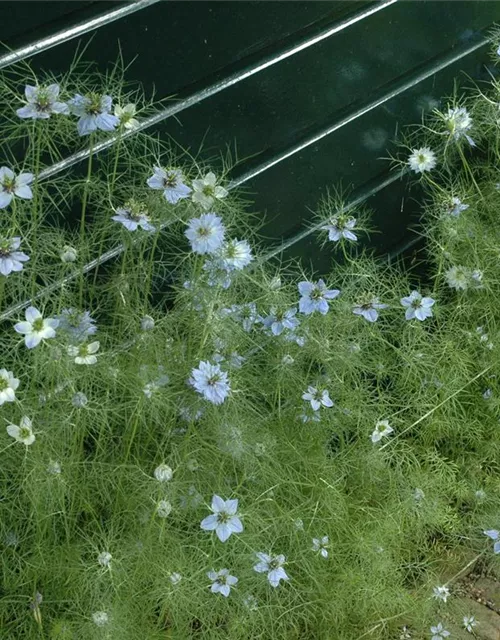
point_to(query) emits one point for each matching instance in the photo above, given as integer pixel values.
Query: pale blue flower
(222, 581)
(79, 400)
(441, 593)
(36, 328)
(317, 398)
(278, 321)
(273, 566)
(131, 220)
(224, 520)
(340, 227)
(171, 182)
(321, 545)
(10, 258)
(206, 233)
(315, 297)
(42, 102)
(209, 380)
(459, 122)
(12, 185)
(417, 306)
(494, 534)
(439, 632)
(456, 207)
(244, 313)
(369, 309)
(77, 325)
(218, 275)
(469, 622)
(94, 112)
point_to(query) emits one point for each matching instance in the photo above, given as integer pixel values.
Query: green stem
(84, 209)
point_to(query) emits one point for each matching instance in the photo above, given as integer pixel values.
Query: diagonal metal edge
(34, 48)
(434, 68)
(219, 86)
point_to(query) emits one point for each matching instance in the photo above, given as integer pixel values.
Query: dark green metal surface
(321, 115)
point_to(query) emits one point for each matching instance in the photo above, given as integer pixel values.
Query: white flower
(42, 102)
(12, 185)
(211, 382)
(36, 328)
(439, 632)
(147, 323)
(382, 429)
(417, 306)
(298, 523)
(469, 622)
(340, 227)
(79, 400)
(458, 122)
(175, 578)
(126, 116)
(23, 432)
(84, 353)
(273, 566)
(171, 182)
(461, 278)
(222, 581)
(315, 297)
(236, 254)
(69, 254)
(163, 508)
(10, 258)
(131, 218)
(317, 398)
(8, 386)
(422, 160)
(100, 618)
(94, 113)
(54, 467)
(418, 495)
(224, 519)
(206, 190)
(206, 233)
(250, 602)
(441, 593)
(321, 545)
(104, 559)
(163, 473)
(287, 359)
(368, 309)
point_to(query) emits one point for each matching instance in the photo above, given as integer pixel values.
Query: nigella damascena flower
(12, 185)
(84, 353)
(54, 468)
(382, 430)
(42, 102)
(206, 190)
(222, 581)
(69, 254)
(422, 160)
(244, 313)
(10, 258)
(79, 400)
(126, 116)
(273, 566)
(321, 545)
(369, 309)
(463, 278)
(171, 182)
(277, 321)
(236, 254)
(456, 206)
(163, 473)
(224, 519)
(317, 398)
(315, 297)
(459, 122)
(441, 593)
(417, 306)
(468, 623)
(131, 217)
(36, 328)
(104, 559)
(218, 275)
(340, 226)
(206, 233)
(439, 632)
(94, 111)
(77, 325)
(100, 618)
(163, 509)
(209, 380)
(8, 386)
(494, 534)
(22, 432)
(175, 578)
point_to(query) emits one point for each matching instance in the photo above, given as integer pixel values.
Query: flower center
(24, 433)
(170, 181)
(9, 184)
(94, 106)
(214, 379)
(37, 324)
(3, 384)
(207, 190)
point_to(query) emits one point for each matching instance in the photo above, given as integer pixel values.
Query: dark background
(279, 118)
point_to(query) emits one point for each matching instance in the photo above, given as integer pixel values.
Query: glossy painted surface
(185, 49)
